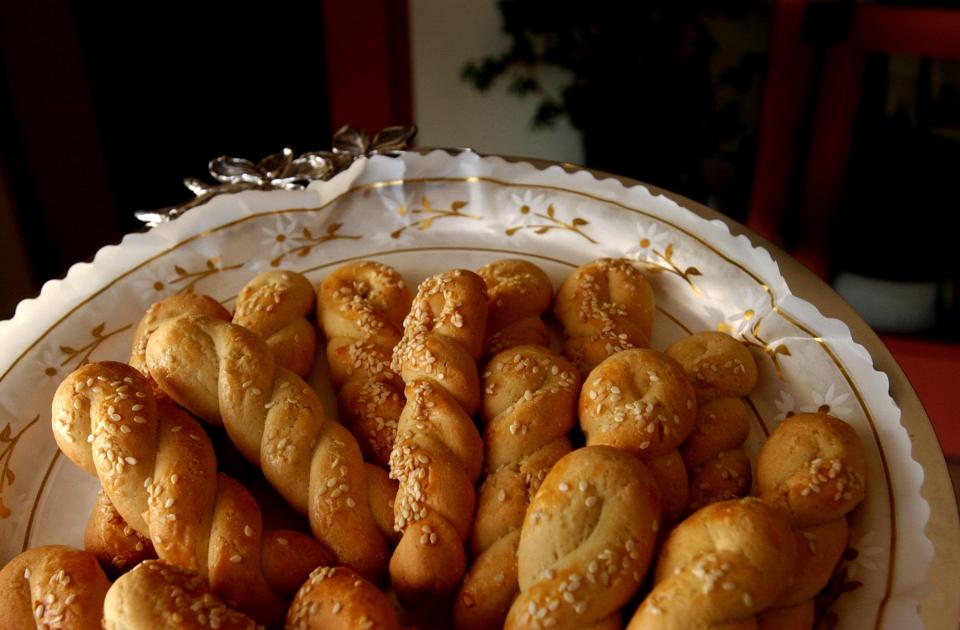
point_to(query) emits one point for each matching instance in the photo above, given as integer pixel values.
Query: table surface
(941, 608)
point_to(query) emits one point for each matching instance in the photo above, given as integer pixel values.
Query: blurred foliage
(641, 84)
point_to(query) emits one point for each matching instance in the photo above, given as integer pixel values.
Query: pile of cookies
(479, 476)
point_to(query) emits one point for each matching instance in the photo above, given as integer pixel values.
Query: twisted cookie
(812, 467)
(719, 568)
(336, 597)
(116, 545)
(168, 308)
(640, 401)
(276, 305)
(52, 587)
(529, 407)
(722, 372)
(226, 375)
(520, 292)
(159, 596)
(605, 306)
(438, 452)
(158, 469)
(586, 541)
(361, 309)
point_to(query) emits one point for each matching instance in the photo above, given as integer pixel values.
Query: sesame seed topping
(236, 558)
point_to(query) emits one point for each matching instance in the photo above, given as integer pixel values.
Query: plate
(424, 213)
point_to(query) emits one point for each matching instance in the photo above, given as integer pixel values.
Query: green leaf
(98, 329)
(782, 349)
(180, 270)
(579, 221)
(333, 228)
(511, 231)
(68, 350)
(307, 233)
(396, 233)
(550, 211)
(692, 271)
(541, 230)
(456, 205)
(5, 434)
(10, 476)
(668, 253)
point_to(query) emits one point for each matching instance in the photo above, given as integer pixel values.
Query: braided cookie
(52, 587)
(226, 375)
(157, 595)
(276, 305)
(116, 545)
(812, 467)
(361, 307)
(438, 452)
(640, 401)
(722, 372)
(168, 308)
(605, 306)
(586, 541)
(158, 469)
(529, 407)
(520, 292)
(719, 568)
(336, 597)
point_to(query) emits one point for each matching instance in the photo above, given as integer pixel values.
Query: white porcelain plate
(427, 213)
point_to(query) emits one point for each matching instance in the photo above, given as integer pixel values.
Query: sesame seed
(247, 531)
(174, 478)
(26, 573)
(582, 485)
(130, 460)
(564, 486)
(282, 541)
(236, 558)
(168, 503)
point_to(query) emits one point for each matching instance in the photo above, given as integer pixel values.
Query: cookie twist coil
(361, 310)
(158, 469)
(227, 376)
(438, 451)
(52, 587)
(276, 305)
(529, 407)
(605, 306)
(581, 557)
(719, 568)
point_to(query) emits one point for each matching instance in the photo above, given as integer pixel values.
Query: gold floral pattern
(664, 262)
(82, 354)
(430, 214)
(191, 278)
(307, 241)
(9, 442)
(752, 338)
(550, 222)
